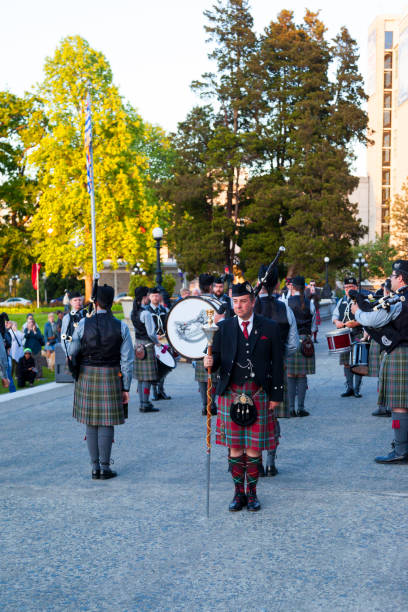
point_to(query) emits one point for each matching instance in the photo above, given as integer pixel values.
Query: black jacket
(265, 354)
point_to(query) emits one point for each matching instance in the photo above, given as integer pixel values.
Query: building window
(387, 99)
(386, 177)
(386, 193)
(387, 118)
(388, 80)
(386, 157)
(385, 214)
(385, 229)
(386, 139)
(388, 40)
(388, 61)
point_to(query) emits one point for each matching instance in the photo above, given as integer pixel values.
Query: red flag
(142, 229)
(35, 271)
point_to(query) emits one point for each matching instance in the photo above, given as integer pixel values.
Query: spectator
(60, 316)
(26, 370)
(184, 293)
(5, 334)
(34, 340)
(29, 317)
(17, 348)
(51, 339)
(3, 364)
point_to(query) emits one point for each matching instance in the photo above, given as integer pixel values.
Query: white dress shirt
(250, 321)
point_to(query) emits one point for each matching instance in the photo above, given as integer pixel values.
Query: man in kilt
(375, 354)
(390, 329)
(159, 314)
(205, 282)
(71, 319)
(103, 346)
(343, 317)
(145, 368)
(298, 365)
(268, 305)
(247, 353)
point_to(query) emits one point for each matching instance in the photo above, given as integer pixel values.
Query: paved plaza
(331, 534)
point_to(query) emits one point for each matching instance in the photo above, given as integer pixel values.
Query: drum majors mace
(248, 356)
(390, 329)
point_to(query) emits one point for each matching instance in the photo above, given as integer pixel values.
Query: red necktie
(245, 330)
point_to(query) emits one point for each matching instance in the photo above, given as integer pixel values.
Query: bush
(169, 283)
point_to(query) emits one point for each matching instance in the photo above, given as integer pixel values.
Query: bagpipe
(266, 281)
(367, 305)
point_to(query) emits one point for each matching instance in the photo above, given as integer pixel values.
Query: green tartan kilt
(145, 370)
(393, 379)
(374, 359)
(299, 365)
(259, 436)
(344, 358)
(200, 373)
(98, 396)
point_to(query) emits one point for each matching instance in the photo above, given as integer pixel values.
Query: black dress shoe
(393, 457)
(253, 503)
(292, 413)
(96, 474)
(106, 474)
(150, 408)
(271, 470)
(357, 394)
(239, 502)
(381, 412)
(163, 396)
(348, 393)
(302, 413)
(261, 470)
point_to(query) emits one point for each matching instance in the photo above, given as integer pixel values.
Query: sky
(155, 48)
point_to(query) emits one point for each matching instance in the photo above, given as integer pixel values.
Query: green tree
(125, 209)
(18, 188)
(379, 255)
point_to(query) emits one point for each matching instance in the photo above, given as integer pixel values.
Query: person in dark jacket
(247, 352)
(26, 370)
(34, 340)
(102, 345)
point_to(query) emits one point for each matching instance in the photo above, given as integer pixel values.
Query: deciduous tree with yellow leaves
(126, 209)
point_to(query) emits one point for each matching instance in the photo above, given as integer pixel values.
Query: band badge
(385, 341)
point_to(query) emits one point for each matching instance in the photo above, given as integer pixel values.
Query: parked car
(119, 297)
(57, 300)
(16, 301)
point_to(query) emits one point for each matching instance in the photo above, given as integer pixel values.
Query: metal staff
(209, 329)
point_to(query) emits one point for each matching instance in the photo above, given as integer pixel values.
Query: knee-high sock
(349, 377)
(252, 473)
(270, 458)
(291, 392)
(357, 382)
(301, 389)
(237, 469)
(203, 393)
(400, 429)
(105, 439)
(160, 385)
(92, 444)
(144, 392)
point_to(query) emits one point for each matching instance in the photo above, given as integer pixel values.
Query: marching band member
(159, 313)
(145, 369)
(71, 319)
(218, 292)
(104, 348)
(298, 364)
(343, 317)
(247, 352)
(390, 328)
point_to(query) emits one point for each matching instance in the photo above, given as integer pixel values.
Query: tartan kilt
(98, 396)
(374, 358)
(145, 370)
(393, 379)
(201, 374)
(259, 436)
(344, 358)
(299, 365)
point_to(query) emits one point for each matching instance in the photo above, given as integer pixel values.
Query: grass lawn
(41, 319)
(49, 376)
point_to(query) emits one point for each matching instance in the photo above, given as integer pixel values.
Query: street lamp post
(327, 292)
(360, 263)
(158, 235)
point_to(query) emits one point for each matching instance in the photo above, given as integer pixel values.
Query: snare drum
(359, 358)
(165, 360)
(339, 341)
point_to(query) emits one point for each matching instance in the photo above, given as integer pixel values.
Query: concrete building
(387, 88)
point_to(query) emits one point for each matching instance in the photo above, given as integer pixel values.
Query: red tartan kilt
(318, 319)
(259, 436)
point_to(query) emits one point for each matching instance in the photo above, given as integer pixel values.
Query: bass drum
(360, 352)
(185, 321)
